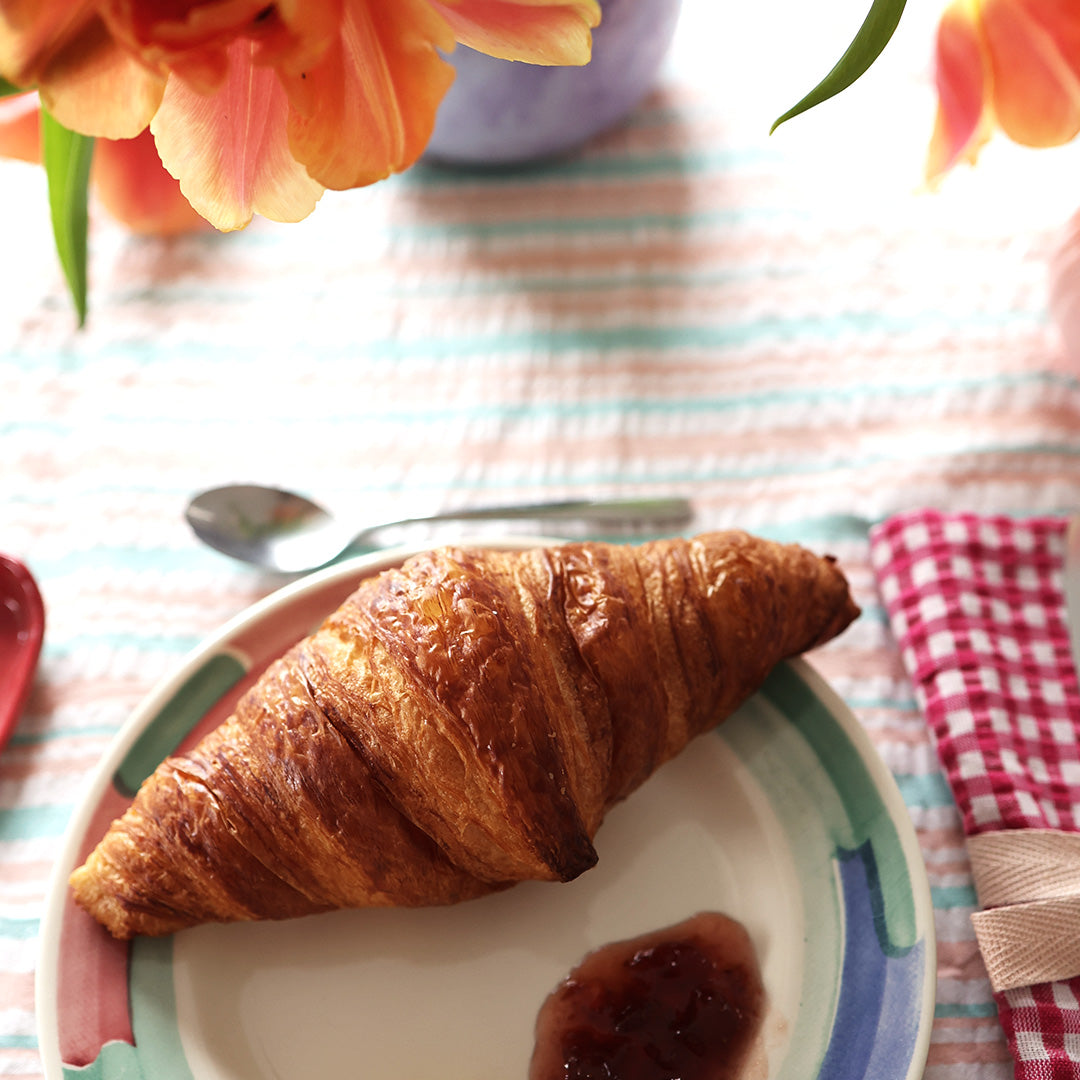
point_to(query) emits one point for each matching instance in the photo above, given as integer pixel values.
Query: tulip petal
(132, 184)
(535, 31)
(87, 81)
(230, 151)
(191, 39)
(95, 87)
(20, 129)
(1061, 19)
(306, 31)
(185, 25)
(1036, 90)
(30, 31)
(368, 108)
(960, 127)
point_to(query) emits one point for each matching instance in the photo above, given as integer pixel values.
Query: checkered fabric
(977, 608)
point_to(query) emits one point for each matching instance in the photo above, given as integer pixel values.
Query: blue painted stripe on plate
(876, 986)
(856, 1024)
(863, 805)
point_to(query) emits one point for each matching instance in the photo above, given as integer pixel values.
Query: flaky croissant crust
(460, 723)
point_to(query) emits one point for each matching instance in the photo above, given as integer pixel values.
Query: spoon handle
(667, 511)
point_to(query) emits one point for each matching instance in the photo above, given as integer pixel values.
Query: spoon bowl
(288, 533)
(22, 628)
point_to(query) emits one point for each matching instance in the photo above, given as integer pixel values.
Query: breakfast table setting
(685, 323)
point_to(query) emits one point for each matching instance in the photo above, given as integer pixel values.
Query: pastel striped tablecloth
(785, 329)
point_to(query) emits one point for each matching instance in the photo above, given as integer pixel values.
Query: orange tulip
(19, 135)
(258, 107)
(127, 174)
(1008, 64)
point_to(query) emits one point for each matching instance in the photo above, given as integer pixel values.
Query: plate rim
(94, 786)
(918, 876)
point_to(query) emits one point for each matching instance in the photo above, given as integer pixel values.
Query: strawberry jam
(684, 1002)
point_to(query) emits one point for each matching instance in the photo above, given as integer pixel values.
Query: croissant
(459, 724)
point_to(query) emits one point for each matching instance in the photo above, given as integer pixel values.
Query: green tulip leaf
(874, 34)
(67, 157)
(7, 89)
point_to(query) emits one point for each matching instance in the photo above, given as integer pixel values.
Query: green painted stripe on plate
(177, 717)
(153, 1010)
(868, 816)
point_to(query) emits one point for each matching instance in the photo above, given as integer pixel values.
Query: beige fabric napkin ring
(1028, 883)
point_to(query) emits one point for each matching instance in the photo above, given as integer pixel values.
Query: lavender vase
(502, 113)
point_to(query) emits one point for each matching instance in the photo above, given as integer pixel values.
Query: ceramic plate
(785, 819)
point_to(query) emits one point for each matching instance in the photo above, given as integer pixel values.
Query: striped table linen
(785, 329)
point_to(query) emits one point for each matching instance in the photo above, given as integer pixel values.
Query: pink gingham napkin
(977, 607)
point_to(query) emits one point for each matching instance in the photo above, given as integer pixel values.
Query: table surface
(787, 329)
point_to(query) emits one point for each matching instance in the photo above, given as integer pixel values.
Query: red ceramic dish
(22, 627)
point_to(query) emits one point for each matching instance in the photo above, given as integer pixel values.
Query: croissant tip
(585, 859)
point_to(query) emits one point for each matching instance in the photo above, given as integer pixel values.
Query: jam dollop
(681, 1003)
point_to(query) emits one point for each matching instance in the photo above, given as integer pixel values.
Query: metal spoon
(282, 531)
